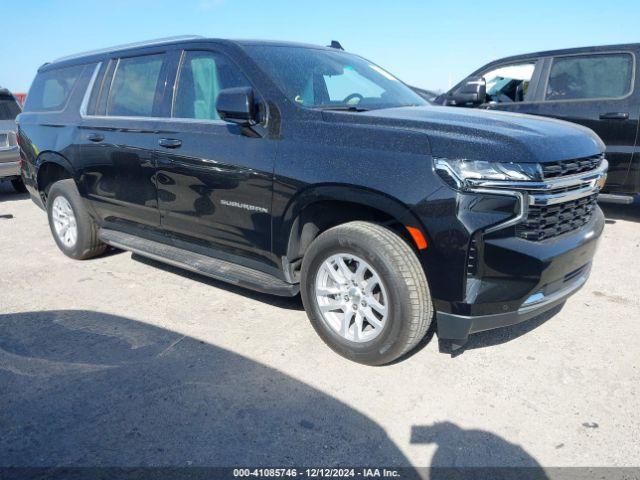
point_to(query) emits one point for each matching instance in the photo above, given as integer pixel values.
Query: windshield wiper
(342, 108)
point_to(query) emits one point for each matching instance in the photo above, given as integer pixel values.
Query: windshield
(320, 78)
(9, 108)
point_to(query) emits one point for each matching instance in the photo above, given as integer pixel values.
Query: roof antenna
(336, 44)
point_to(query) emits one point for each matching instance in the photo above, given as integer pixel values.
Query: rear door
(596, 90)
(118, 138)
(214, 178)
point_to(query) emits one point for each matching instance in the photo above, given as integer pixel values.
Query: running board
(611, 198)
(198, 263)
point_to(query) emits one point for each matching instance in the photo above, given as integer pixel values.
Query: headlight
(461, 173)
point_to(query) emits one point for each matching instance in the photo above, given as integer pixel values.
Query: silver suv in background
(9, 152)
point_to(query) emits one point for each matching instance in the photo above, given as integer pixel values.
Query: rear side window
(202, 76)
(51, 89)
(9, 108)
(134, 86)
(590, 76)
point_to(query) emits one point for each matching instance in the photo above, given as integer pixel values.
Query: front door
(214, 178)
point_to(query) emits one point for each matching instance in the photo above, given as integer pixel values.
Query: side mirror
(237, 105)
(473, 92)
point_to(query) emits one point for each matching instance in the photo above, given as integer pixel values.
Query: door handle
(95, 137)
(614, 116)
(169, 142)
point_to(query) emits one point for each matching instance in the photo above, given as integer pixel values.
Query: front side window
(590, 76)
(509, 83)
(202, 75)
(134, 86)
(319, 78)
(51, 89)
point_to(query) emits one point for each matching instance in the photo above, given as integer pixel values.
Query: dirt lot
(122, 361)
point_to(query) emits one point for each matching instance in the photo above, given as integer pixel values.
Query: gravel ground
(123, 361)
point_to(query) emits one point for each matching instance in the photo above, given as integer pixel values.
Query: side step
(202, 264)
(611, 198)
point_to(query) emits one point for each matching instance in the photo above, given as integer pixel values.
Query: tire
(18, 185)
(403, 288)
(86, 245)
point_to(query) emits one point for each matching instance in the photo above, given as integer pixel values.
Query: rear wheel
(73, 229)
(365, 292)
(18, 185)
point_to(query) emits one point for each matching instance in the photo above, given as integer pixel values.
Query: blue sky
(428, 44)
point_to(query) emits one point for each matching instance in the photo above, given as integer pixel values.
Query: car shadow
(289, 303)
(8, 194)
(613, 212)
(83, 388)
(474, 454)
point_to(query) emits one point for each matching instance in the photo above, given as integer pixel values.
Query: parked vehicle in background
(9, 151)
(598, 87)
(428, 95)
(290, 168)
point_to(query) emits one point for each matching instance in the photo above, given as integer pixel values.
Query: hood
(464, 133)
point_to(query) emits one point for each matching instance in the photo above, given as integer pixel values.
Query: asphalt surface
(120, 361)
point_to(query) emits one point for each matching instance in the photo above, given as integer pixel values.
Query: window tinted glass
(509, 83)
(594, 76)
(51, 89)
(9, 108)
(202, 76)
(134, 85)
(332, 79)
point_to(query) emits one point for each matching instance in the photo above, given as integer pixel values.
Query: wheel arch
(51, 167)
(322, 207)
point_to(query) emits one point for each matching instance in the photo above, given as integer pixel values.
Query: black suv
(598, 87)
(289, 168)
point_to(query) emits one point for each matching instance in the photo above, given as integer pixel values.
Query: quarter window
(51, 89)
(592, 76)
(134, 86)
(202, 76)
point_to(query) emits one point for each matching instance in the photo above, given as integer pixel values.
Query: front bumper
(507, 278)
(521, 280)
(9, 162)
(459, 327)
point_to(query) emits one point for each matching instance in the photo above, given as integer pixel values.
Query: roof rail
(157, 41)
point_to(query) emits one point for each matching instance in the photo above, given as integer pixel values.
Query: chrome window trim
(157, 119)
(89, 90)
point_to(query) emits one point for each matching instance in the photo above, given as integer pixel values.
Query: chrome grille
(551, 207)
(549, 221)
(570, 167)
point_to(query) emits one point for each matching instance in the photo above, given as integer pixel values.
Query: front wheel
(365, 292)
